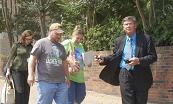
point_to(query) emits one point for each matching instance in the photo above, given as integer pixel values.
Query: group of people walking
(58, 68)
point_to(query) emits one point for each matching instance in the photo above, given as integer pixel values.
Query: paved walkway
(91, 97)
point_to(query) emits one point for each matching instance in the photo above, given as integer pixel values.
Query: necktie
(129, 48)
(129, 53)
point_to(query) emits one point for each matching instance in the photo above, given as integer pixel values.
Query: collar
(133, 37)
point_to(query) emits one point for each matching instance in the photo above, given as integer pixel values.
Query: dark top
(19, 56)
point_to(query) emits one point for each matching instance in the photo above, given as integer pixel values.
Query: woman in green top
(74, 48)
(18, 67)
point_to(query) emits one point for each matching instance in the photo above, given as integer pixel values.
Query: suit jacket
(145, 51)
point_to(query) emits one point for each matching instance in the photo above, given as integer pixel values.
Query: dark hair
(131, 18)
(77, 31)
(26, 33)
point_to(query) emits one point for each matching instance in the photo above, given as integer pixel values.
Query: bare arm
(31, 69)
(65, 65)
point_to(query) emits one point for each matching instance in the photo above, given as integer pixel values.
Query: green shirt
(19, 57)
(78, 50)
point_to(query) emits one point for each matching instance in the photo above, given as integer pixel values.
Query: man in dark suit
(131, 59)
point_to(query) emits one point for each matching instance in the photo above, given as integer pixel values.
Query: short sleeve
(36, 50)
(64, 55)
(66, 43)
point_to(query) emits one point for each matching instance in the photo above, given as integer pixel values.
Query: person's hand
(8, 72)
(77, 65)
(134, 61)
(74, 67)
(31, 80)
(98, 58)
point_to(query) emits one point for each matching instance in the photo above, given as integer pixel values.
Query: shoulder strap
(71, 47)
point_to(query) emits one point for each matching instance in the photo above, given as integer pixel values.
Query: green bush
(102, 37)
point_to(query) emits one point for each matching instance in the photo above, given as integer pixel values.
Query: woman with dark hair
(17, 66)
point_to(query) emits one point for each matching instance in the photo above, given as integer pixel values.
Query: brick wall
(162, 89)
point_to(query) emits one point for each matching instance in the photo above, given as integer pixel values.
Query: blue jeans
(47, 92)
(76, 92)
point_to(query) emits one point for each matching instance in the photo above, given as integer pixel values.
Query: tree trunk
(153, 9)
(94, 11)
(42, 24)
(90, 16)
(42, 17)
(141, 15)
(152, 14)
(88, 19)
(7, 12)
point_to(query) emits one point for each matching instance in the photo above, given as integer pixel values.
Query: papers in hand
(88, 58)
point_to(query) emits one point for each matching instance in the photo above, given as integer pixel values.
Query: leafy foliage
(162, 27)
(102, 37)
(100, 19)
